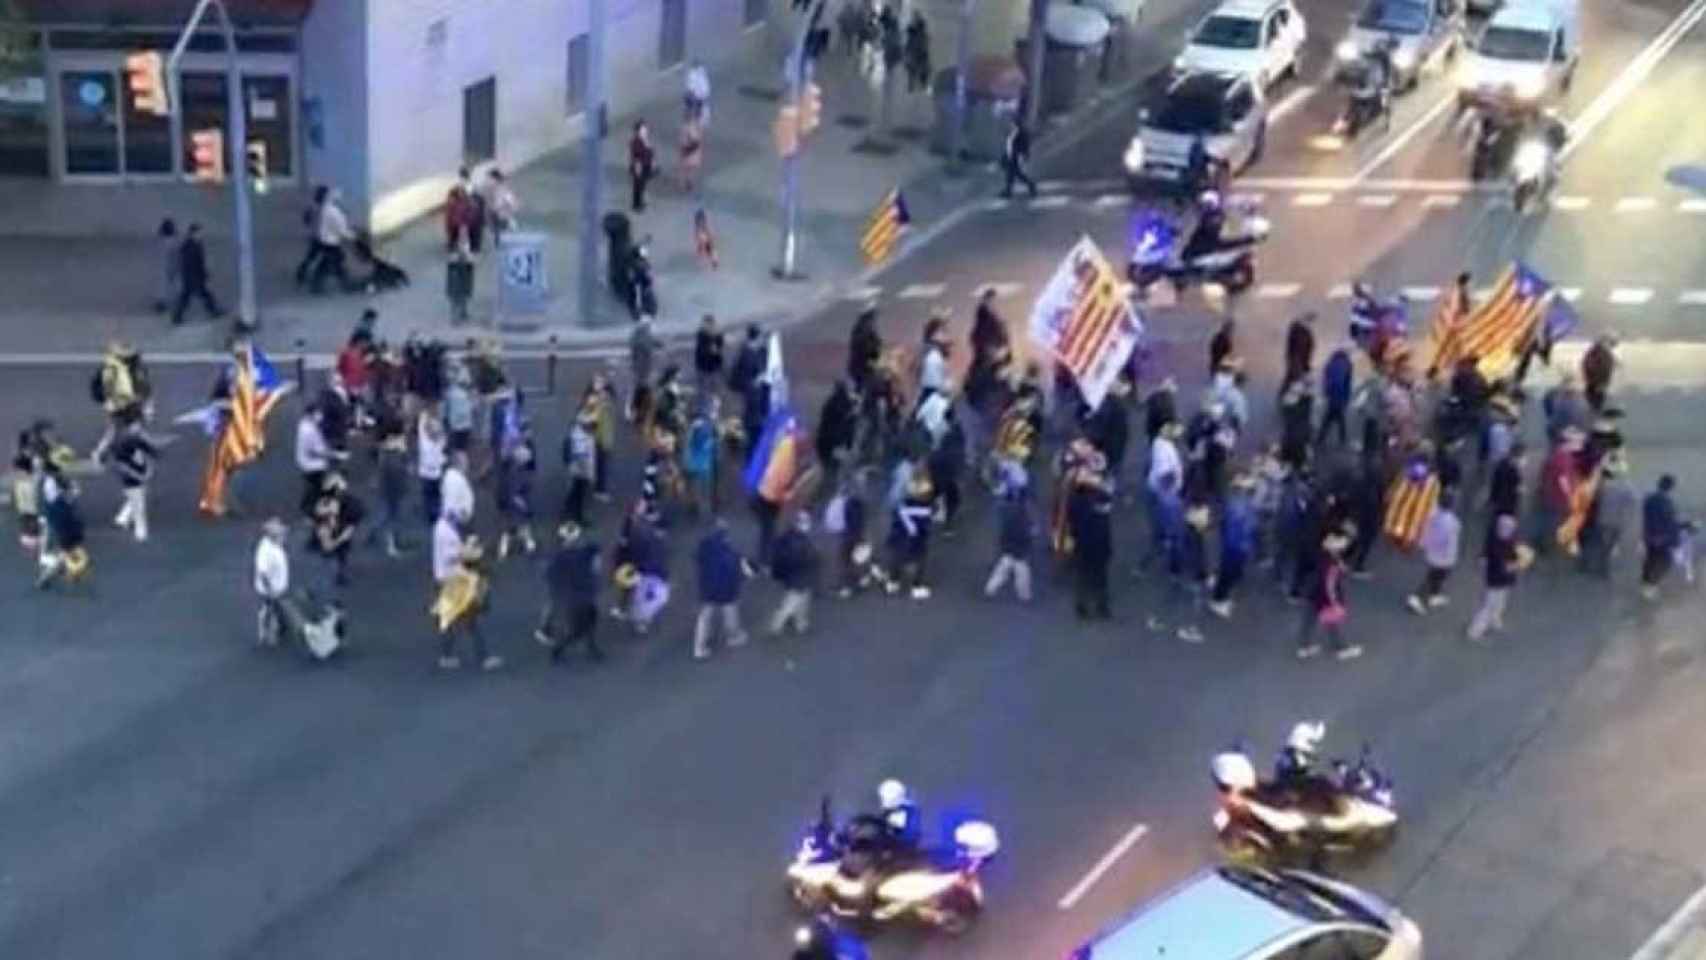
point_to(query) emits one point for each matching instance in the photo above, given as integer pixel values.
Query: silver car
(1226, 111)
(1425, 33)
(1239, 913)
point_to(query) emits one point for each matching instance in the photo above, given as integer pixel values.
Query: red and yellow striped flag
(1569, 535)
(255, 388)
(1496, 332)
(1453, 311)
(1412, 497)
(884, 228)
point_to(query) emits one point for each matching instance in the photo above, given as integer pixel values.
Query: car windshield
(1189, 113)
(1237, 33)
(1290, 897)
(1507, 43)
(1394, 16)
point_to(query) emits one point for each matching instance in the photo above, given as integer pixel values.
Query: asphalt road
(169, 791)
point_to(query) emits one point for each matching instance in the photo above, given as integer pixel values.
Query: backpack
(835, 514)
(98, 387)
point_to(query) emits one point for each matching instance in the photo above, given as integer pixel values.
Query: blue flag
(1560, 320)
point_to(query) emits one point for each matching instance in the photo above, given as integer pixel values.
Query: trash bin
(994, 85)
(1077, 37)
(619, 248)
(1122, 17)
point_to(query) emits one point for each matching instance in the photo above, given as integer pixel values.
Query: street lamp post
(592, 167)
(799, 77)
(237, 151)
(1035, 44)
(956, 133)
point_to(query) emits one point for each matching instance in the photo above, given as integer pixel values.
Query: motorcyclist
(903, 826)
(1365, 316)
(1554, 131)
(1202, 171)
(1294, 768)
(1211, 220)
(820, 940)
(1373, 83)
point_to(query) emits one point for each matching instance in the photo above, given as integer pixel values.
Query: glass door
(89, 110)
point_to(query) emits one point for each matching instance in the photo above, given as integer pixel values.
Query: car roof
(1248, 9)
(1525, 16)
(1204, 85)
(1208, 917)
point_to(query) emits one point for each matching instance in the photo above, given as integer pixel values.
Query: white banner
(1085, 320)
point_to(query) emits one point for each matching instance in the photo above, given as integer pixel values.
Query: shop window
(672, 34)
(268, 114)
(579, 67)
(24, 125)
(480, 122)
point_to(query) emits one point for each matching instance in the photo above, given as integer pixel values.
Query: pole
(956, 133)
(799, 75)
(1035, 44)
(592, 166)
(248, 307)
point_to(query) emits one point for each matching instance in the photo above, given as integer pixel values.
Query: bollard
(301, 364)
(551, 366)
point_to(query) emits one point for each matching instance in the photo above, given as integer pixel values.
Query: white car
(1260, 39)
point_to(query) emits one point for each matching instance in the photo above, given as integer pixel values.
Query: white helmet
(1209, 199)
(1306, 737)
(891, 793)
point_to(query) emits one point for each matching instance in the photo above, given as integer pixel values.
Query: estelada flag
(777, 458)
(253, 387)
(884, 227)
(1409, 501)
(1496, 332)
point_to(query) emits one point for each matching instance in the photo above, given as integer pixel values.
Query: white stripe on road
(1107, 200)
(1103, 866)
(1692, 298)
(922, 291)
(1571, 294)
(1692, 206)
(863, 293)
(1630, 296)
(1247, 199)
(1667, 936)
(1002, 289)
(1051, 203)
(1421, 294)
(1311, 199)
(1441, 200)
(1636, 204)
(1052, 186)
(1404, 136)
(1571, 203)
(998, 203)
(1377, 200)
(1646, 364)
(1292, 101)
(1400, 185)
(1340, 292)
(1278, 291)
(1631, 76)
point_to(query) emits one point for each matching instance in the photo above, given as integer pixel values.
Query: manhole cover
(875, 148)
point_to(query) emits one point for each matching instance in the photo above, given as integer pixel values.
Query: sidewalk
(82, 259)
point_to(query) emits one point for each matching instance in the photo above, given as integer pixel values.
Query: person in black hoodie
(795, 567)
(837, 428)
(571, 580)
(1367, 511)
(193, 277)
(1089, 513)
(864, 349)
(947, 462)
(708, 356)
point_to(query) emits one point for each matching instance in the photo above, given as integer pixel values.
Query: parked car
(1262, 39)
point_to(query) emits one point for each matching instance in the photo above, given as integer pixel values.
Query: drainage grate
(765, 94)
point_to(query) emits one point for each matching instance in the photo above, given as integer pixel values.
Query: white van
(1526, 55)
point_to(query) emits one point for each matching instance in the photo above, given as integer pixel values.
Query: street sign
(523, 284)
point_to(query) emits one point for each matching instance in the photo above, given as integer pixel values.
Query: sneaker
(739, 640)
(543, 638)
(844, 593)
(448, 663)
(701, 653)
(618, 613)
(1312, 650)
(1155, 625)
(1190, 635)
(492, 662)
(1438, 600)
(920, 593)
(1415, 604)
(1649, 593)
(1349, 653)
(1223, 610)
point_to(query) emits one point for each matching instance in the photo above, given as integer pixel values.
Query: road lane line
(1671, 932)
(1278, 291)
(1311, 199)
(1340, 292)
(998, 203)
(1571, 294)
(1102, 866)
(1003, 289)
(1377, 200)
(1692, 206)
(922, 291)
(1421, 294)
(1107, 200)
(1692, 298)
(1399, 185)
(1398, 141)
(1441, 200)
(1052, 186)
(1631, 76)
(1247, 199)
(1571, 203)
(862, 293)
(1630, 296)
(1292, 101)
(1636, 204)
(1051, 203)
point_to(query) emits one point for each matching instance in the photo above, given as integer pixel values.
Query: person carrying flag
(247, 391)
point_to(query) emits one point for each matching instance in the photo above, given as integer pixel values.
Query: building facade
(383, 99)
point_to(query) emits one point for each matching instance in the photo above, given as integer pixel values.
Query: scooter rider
(903, 826)
(1294, 768)
(1211, 220)
(1554, 131)
(1373, 85)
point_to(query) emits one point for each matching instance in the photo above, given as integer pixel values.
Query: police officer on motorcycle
(1374, 85)
(1294, 768)
(903, 825)
(1211, 221)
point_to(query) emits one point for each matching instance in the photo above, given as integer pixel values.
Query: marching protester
(721, 573)
(463, 597)
(1440, 537)
(1599, 362)
(571, 581)
(1016, 158)
(845, 518)
(1661, 532)
(275, 618)
(580, 456)
(1327, 610)
(336, 515)
(1505, 558)
(795, 569)
(63, 556)
(431, 457)
(1612, 513)
(391, 480)
(193, 277)
(122, 387)
(708, 346)
(1015, 537)
(456, 493)
(133, 456)
(1237, 544)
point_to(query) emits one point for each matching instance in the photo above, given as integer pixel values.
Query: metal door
(672, 34)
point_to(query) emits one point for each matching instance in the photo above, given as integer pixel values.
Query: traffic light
(257, 160)
(146, 72)
(787, 131)
(207, 151)
(811, 108)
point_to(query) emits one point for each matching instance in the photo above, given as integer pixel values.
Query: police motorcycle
(1212, 253)
(868, 870)
(1370, 93)
(1302, 816)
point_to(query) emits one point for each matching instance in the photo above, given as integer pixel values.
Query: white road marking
(1102, 866)
(1441, 200)
(1340, 292)
(1107, 200)
(1671, 932)
(1421, 294)
(1292, 101)
(863, 293)
(922, 291)
(1636, 204)
(1571, 203)
(1649, 364)
(1002, 290)
(1278, 291)
(1052, 186)
(1400, 185)
(1692, 206)
(1630, 296)
(1482, 294)
(999, 203)
(1631, 76)
(1404, 136)
(1692, 298)
(1571, 294)
(1051, 203)
(1377, 200)
(1311, 199)
(1247, 199)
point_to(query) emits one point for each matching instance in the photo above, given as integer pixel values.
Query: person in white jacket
(272, 583)
(1440, 538)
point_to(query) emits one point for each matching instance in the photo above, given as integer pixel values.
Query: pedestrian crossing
(1368, 197)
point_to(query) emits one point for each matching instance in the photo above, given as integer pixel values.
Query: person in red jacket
(1559, 478)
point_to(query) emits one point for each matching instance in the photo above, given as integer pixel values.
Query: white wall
(415, 95)
(334, 71)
